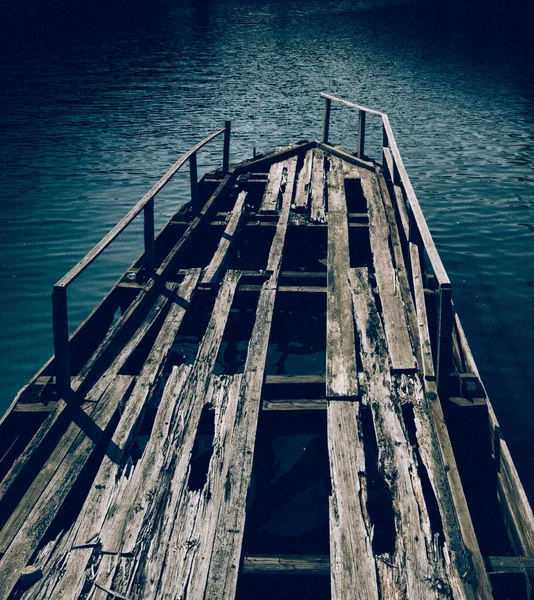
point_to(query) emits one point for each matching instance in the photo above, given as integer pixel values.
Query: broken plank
(352, 564)
(317, 202)
(398, 339)
(83, 445)
(223, 569)
(270, 198)
(213, 270)
(419, 568)
(302, 195)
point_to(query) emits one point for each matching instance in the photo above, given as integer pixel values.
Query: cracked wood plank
(416, 568)
(341, 373)
(302, 195)
(317, 202)
(398, 339)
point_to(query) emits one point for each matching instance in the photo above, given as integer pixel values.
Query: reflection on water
(99, 98)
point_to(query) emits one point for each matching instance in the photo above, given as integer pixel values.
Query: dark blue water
(97, 99)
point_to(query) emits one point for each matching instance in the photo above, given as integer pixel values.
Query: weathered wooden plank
(129, 537)
(352, 564)
(226, 552)
(213, 270)
(416, 568)
(43, 507)
(400, 348)
(270, 198)
(296, 404)
(286, 563)
(293, 379)
(317, 202)
(80, 449)
(422, 320)
(112, 537)
(341, 373)
(302, 195)
(511, 564)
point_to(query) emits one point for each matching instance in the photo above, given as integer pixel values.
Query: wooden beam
(398, 339)
(509, 564)
(302, 195)
(289, 564)
(341, 373)
(295, 404)
(317, 202)
(422, 320)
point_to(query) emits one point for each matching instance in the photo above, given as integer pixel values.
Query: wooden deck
(141, 481)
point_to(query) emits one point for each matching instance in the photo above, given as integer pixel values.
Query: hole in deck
(283, 587)
(356, 202)
(297, 345)
(379, 501)
(428, 491)
(305, 249)
(192, 329)
(250, 251)
(287, 507)
(202, 450)
(234, 345)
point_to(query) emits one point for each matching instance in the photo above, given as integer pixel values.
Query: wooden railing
(416, 232)
(60, 320)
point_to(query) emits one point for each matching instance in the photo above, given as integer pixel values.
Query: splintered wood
(149, 525)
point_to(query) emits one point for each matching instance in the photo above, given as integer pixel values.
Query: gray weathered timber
(352, 563)
(341, 373)
(82, 446)
(417, 568)
(272, 193)
(400, 347)
(286, 563)
(214, 269)
(302, 195)
(317, 202)
(422, 320)
(222, 575)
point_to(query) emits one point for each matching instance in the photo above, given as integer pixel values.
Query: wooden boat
(276, 400)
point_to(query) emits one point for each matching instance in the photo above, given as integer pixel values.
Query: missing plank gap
(202, 450)
(379, 500)
(428, 491)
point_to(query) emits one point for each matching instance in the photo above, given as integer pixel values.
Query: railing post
(226, 150)
(148, 213)
(361, 134)
(60, 322)
(385, 144)
(326, 123)
(193, 174)
(444, 345)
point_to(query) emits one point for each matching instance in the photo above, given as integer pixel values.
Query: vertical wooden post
(444, 345)
(385, 144)
(226, 150)
(60, 322)
(148, 213)
(361, 134)
(193, 174)
(326, 123)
